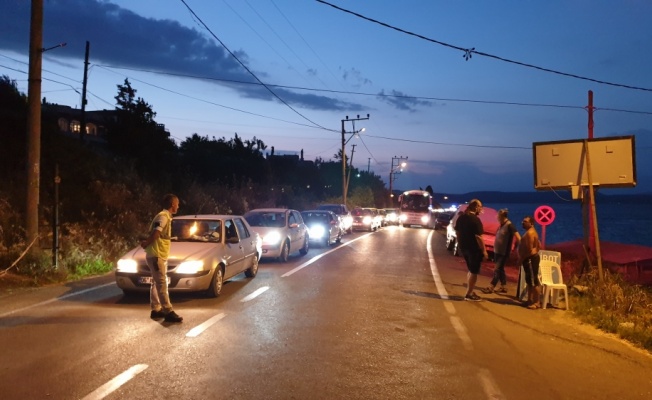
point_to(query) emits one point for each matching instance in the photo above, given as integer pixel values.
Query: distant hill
(539, 197)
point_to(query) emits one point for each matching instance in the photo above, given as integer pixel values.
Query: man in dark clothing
(468, 230)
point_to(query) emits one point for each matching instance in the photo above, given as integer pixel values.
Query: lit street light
(344, 142)
(398, 164)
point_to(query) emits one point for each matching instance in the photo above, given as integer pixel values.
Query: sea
(629, 223)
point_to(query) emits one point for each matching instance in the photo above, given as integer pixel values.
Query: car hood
(179, 251)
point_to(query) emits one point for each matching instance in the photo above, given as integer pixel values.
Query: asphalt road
(379, 316)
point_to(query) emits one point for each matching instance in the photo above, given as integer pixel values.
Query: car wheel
(449, 244)
(217, 282)
(253, 270)
(285, 251)
(306, 246)
(339, 238)
(327, 242)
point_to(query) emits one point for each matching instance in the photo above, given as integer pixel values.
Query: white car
(366, 219)
(205, 251)
(282, 230)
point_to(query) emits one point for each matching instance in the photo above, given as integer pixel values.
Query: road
(379, 316)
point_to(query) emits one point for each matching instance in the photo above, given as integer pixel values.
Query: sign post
(544, 215)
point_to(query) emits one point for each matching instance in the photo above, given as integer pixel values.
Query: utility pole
(396, 168)
(348, 178)
(82, 127)
(34, 121)
(368, 164)
(344, 153)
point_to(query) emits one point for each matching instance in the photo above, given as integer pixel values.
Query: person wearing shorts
(468, 230)
(528, 257)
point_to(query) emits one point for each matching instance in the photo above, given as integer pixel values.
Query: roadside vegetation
(613, 305)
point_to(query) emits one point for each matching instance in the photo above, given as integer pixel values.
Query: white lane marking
(255, 294)
(449, 307)
(312, 260)
(196, 331)
(441, 289)
(489, 385)
(460, 329)
(116, 382)
(65, 296)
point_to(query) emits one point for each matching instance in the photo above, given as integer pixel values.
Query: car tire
(217, 283)
(450, 243)
(253, 270)
(305, 247)
(339, 238)
(327, 242)
(285, 252)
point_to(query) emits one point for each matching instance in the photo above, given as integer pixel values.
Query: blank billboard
(562, 164)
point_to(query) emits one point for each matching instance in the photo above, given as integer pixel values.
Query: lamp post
(344, 142)
(398, 164)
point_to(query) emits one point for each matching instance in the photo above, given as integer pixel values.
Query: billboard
(563, 164)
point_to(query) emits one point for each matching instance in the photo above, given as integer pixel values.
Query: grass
(614, 306)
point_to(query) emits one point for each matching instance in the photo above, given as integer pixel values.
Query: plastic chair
(548, 270)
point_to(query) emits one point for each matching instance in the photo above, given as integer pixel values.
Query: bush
(615, 306)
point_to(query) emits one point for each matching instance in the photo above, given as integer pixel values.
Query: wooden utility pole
(82, 124)
(34, 121)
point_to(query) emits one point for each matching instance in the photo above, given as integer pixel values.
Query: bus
(416, 209)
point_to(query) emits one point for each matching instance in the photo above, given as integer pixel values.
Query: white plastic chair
(548, 270)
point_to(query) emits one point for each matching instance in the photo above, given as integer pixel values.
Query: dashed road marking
(116, 382)
(196, 331)
(255, 294)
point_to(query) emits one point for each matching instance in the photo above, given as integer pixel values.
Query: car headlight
(403, 217)
(272, 238)
(317, 231)
(127, 265)
(366, 220)
(425, 219)
(190, 267)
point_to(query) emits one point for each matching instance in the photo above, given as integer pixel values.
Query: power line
(247, 69)
(450, 144)
(385, 95)
(468, 52)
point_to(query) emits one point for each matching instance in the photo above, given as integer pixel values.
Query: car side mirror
(233, 240)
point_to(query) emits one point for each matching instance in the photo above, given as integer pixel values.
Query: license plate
(148, 280)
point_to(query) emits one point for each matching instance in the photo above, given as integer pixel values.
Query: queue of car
(207, 250)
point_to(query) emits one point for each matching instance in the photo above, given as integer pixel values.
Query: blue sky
(464, 125)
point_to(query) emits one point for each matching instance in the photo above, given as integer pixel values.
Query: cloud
(402, 101)
(354, 77)
(121, 37)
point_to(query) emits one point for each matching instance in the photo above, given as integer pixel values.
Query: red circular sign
(544, 215)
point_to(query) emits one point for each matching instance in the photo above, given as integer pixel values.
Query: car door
(235, 258)
(294, 225)
(248, 242)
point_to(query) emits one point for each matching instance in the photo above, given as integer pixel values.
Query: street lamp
(398, 163)
(344, 142)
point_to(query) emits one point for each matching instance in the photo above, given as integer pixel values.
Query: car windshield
(266, 219)
(313, 217)
(415, 203)
(196, 230)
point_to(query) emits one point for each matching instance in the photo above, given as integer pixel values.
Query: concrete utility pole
(397, 167)
(348, 178)
(344, 142)
(34, 120)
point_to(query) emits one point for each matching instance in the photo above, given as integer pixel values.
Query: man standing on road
(528, 257)
(502, 249)
(157, 249)
(468, 230)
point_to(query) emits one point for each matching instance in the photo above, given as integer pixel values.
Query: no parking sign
(544, 215)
